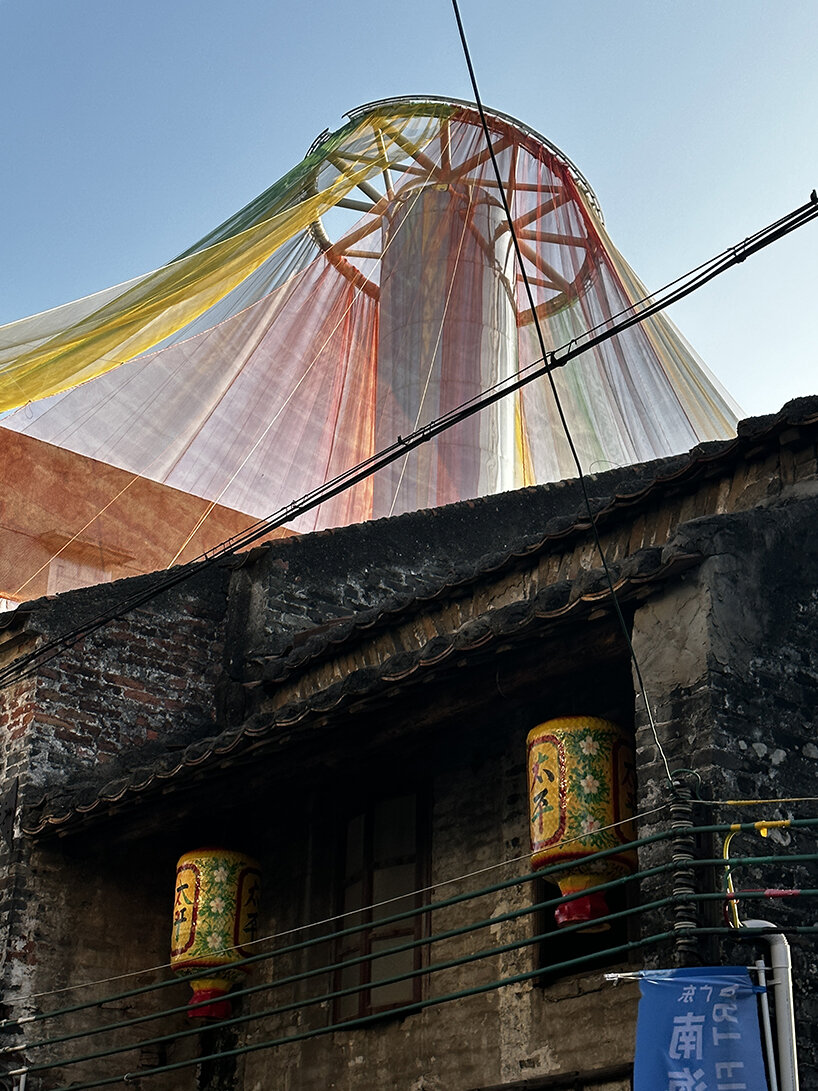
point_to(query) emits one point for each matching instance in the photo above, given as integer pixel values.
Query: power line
(557, 400)
(676, 290)
(433, 967)
(335, 918)
(549, 873)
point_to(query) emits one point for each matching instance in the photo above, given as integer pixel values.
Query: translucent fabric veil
(369, 291)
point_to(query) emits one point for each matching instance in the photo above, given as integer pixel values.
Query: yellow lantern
(581, 779)
(215, 912)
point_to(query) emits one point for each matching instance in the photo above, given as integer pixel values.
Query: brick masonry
(728, 655)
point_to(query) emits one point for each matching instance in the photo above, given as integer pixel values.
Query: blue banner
(698, 1031)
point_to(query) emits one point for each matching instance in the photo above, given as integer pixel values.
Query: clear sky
(130, 129)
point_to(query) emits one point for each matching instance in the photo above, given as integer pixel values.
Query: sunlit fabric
(370, 291)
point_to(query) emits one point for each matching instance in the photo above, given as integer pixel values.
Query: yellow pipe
(762, 827)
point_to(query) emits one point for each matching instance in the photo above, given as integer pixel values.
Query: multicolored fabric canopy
(372, 289)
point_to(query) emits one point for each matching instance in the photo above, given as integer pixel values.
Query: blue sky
(129, 130)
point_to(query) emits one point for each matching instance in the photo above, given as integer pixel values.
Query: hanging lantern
(581, 780)
(215, 912)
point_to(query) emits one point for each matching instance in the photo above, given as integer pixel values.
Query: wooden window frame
(412, 929)
(590, 945)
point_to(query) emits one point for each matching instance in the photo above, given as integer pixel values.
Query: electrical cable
(557, 400)
(409, 914)
(319, 971)
(26, 664)
(344, 992)
(472, 957)
(473, 926)
(341, 916)
(416, 1006)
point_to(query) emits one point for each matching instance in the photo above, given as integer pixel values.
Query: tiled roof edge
(334, 636)
(552, 604)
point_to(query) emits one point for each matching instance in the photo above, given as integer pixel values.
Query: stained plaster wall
(475, 777)
(146, 683)
(730, 662)
(105, 907)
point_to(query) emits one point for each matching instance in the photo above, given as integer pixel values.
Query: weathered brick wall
(17, 710)
(82, 916)
(145, 683)
(734, 690)
(476, 778)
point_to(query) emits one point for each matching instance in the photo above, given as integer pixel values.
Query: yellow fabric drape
(93, 339)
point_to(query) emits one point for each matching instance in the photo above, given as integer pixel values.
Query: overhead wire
(323, 922)
(468, 896)
(27, 664)
(291, 1037)
(547, 362)
(555, 393)
(474, 956)
(475, 925)
(739, 254)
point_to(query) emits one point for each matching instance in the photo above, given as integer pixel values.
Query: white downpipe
(772, 1068)
(784, 1007)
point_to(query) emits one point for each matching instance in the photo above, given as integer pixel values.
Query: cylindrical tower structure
(371, 290)
(447, 332)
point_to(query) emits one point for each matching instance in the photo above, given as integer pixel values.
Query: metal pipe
(784, 1007)
(761, 970)
(456, 900)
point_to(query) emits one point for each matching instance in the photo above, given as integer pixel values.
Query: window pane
(390, 965)
(394, 829)
(389, 882)
(381, 864)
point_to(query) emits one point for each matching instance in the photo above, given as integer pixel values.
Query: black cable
(292, 1035)
(738, 253)
(26, 665)
(429, 968)
(553, 385)
(473, 956)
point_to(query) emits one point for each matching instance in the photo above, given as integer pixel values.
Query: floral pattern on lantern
(582, 784)
(215, 913)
